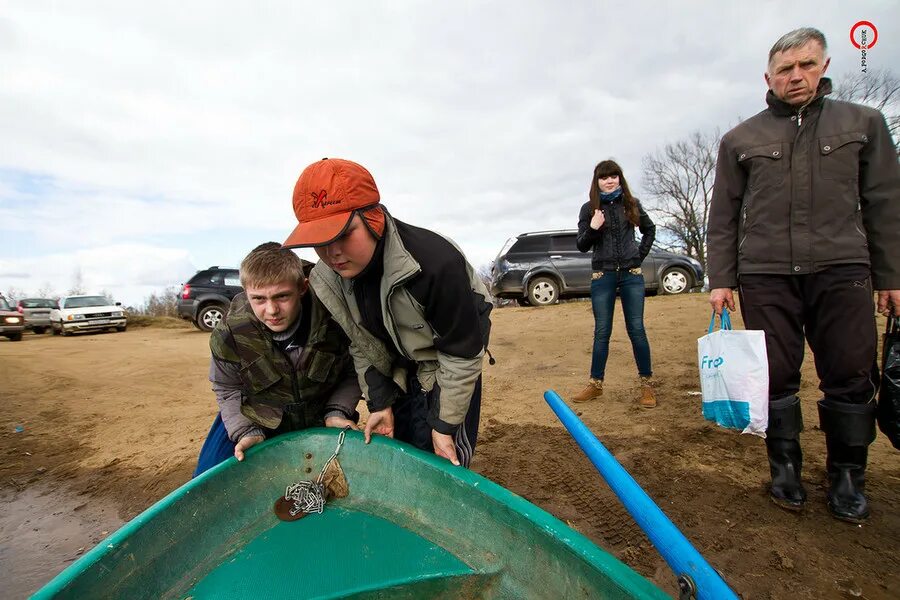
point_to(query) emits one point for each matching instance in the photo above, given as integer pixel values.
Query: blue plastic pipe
(677, 551)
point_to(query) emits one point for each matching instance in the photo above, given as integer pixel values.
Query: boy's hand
(381, 422)
(245, 443)
(444, 446)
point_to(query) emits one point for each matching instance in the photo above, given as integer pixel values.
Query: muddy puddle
(43, 531)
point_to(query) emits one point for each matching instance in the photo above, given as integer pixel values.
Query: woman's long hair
(606, 168)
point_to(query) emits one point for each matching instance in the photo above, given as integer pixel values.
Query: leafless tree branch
(679, 179)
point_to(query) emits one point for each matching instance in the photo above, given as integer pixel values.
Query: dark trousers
(834, 311)
(411, 425)
(603, 301)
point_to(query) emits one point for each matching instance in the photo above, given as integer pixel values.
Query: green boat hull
(413, 526)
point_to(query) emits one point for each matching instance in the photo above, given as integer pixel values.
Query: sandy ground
(112, 422)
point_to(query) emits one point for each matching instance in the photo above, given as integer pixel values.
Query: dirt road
(112, 422)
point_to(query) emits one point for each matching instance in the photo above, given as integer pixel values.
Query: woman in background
(606, 226)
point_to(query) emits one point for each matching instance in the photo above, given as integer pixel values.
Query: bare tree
(47, 291)
(162, 304)
(13, 294)
(679, 178)
(77, 288)
(878, 88)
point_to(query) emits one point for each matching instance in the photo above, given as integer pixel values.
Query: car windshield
(37, 303)
(86, 301)
(4, 305)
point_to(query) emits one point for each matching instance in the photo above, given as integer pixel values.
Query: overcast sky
(140, 142)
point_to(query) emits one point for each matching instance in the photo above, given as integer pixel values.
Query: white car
(87, 313)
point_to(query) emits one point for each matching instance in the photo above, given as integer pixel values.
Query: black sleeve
(648, 231)
(383, 391)
(587, 236)
(447, 297)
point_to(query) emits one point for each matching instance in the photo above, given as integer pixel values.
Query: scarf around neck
(611, 196)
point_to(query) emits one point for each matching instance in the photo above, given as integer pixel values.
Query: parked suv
(541, 267)
(205, 298)
(36, 312)
(12, 324)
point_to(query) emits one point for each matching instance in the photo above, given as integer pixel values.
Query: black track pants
(834, 310)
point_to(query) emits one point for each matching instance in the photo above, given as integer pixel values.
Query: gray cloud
(478, 119)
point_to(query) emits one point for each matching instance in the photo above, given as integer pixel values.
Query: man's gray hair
(798, 38)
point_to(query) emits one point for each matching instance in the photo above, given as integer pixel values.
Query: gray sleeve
(724, 219)
(226, 384)
(879, 197)
(346, 395)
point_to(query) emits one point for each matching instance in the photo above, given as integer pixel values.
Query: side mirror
(118, 304)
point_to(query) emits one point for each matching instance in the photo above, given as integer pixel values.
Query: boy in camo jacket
(279, 362)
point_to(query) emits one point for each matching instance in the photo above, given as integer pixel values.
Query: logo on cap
(321, 200)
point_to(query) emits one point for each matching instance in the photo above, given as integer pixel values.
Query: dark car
(205, 298)
(12, 324)
(541, 267)
(36, 312)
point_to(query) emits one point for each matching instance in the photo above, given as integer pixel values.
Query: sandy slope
(112, 422)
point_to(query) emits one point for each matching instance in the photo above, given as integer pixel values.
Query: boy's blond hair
(270, 264)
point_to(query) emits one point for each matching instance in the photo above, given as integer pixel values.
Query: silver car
(36, 312)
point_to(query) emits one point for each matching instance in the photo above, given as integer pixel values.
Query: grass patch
(158, 322)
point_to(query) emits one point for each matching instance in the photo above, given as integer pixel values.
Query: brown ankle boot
(648, 398)
(593, 391)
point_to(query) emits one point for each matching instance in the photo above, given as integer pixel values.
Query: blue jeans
(216, 448)
(603, 301)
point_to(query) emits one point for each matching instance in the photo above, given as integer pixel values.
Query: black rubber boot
(849, 429)
(785, 455)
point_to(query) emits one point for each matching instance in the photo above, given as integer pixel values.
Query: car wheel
(209, 316)
(54, 330)
(542, 291)
(15, 337)
(675, 280)
(62, 330)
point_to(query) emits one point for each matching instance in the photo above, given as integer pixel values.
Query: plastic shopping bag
(889, 395)
(734, 377)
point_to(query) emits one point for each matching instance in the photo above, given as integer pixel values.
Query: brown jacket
(796, 192)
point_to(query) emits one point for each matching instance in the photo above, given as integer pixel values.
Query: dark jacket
(614, 245)
(797, 191)
(436, 313)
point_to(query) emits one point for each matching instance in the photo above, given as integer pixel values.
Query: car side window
(531, 243)
(216, 277)
(563, 243)
(232, 279)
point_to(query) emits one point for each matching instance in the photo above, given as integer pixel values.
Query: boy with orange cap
(415, 311)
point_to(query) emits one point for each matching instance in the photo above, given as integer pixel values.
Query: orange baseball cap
(326, 194)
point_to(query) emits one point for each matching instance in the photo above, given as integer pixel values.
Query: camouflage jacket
(278, 393)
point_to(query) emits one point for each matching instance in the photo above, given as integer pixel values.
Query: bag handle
(892, 326)
(724, 321)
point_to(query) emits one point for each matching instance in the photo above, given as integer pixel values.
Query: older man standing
(805, 218)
